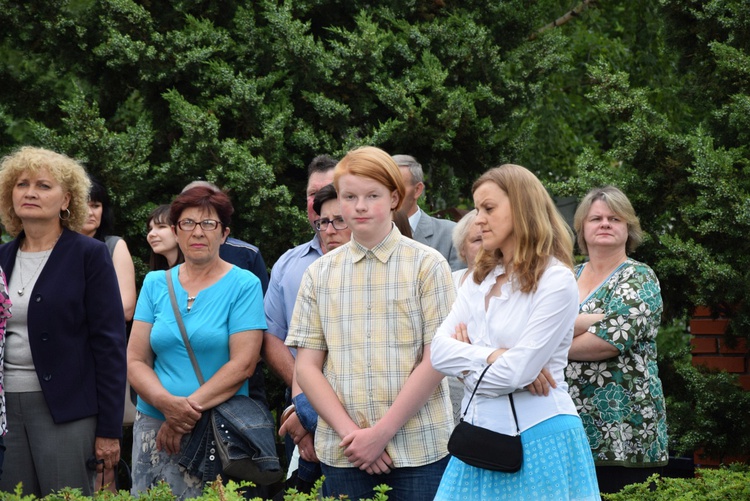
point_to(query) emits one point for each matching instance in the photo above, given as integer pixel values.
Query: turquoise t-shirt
(233, 304)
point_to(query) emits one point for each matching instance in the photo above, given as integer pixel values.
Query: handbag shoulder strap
(510, 397)
(181, 325)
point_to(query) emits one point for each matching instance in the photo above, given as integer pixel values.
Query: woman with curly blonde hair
(65, 364)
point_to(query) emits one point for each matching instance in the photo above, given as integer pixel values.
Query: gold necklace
(43, 260)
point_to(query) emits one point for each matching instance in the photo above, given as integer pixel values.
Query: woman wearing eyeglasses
(222, 309)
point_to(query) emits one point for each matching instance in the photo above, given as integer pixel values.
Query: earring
(67, 216)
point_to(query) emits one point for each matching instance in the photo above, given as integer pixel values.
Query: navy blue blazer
(77, 331)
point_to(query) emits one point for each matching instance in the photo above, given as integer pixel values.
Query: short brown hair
(205, 198)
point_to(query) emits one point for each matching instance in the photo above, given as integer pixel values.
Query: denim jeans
(307, 471)
(419, 483)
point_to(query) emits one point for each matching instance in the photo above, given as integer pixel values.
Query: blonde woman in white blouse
(516, 313)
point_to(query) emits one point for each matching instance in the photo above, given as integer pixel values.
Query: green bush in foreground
(215, 491)
(726, 484)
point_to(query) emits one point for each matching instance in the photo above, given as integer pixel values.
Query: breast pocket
(406, 327)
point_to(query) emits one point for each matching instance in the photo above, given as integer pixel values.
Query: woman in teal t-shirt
(222, 309)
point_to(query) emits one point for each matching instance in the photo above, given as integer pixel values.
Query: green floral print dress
(620, 399)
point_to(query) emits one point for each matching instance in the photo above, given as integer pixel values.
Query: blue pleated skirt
(557, 466)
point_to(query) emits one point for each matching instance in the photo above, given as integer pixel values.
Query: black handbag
(483, 448)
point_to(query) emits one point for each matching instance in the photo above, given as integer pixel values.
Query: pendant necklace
(43, 260)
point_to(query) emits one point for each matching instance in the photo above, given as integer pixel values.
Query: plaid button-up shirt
(373, 311)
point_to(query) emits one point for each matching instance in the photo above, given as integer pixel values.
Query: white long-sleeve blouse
(536, 328)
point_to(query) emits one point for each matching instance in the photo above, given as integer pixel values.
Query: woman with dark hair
(221, 306)
(162, 239)
(64, 370)
(100, 224)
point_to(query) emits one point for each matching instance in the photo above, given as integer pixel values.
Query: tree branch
(564, 19)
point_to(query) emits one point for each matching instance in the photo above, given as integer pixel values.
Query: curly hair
(69, 173)
(540, 230)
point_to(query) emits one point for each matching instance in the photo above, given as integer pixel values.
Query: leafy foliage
(214, 491)
(676, 150)
(246, 94)
(650, 96)
(706, 409)
(725, 484)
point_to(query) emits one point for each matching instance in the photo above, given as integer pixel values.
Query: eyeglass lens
(338, 224)
(206, 224)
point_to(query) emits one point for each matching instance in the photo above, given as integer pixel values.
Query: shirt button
(47, 377)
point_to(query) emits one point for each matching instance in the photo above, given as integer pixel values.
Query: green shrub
(726, 484)
(215, 491)
(706, 409)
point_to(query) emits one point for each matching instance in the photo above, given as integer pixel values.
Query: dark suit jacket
(77, 331)
(438, 234)
(247, 257)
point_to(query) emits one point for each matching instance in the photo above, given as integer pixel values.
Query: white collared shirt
(537, 330)
(414, 219)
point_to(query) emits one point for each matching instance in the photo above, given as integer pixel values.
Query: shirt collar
(381, 252)
(414, 219)
(489, 280)
(315, 244)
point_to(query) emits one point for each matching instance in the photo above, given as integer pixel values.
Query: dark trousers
(613, 478)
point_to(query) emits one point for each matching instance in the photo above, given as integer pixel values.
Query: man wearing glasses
(286, 277)
(301, 420)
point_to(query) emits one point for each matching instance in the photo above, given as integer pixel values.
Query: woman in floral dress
(612, 372)
(4, 315)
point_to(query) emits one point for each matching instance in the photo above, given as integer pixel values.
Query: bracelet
(285, 415)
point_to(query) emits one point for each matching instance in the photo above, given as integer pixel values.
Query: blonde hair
(540, 231)
(618, 203)
(376, 164)
(66, 171)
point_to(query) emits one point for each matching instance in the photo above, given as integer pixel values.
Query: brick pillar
(710, 349)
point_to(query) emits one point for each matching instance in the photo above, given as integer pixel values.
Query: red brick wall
(710, 349)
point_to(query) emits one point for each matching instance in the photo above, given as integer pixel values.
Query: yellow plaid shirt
(373, 311)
